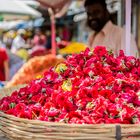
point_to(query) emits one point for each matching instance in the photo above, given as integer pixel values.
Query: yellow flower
(23, 53)
(89, 105)
(60, 68)
(74, 47)
(39, 76)
(67, 85)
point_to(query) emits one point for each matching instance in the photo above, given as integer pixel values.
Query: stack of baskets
(22, 129)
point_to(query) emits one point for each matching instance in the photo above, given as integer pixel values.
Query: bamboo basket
(7, 91)
(23, 129)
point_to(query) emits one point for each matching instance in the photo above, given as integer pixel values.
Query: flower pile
(74, 47)
(92, 87)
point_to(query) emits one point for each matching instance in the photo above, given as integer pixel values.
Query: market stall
(17, 10)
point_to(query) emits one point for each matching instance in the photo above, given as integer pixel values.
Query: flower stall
(91, 95)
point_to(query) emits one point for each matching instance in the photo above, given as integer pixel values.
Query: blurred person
(19, 41)
(38, 42)
(105, 33)
(39, 38)
(1, 40)
(66, 33)
(8, 38)
(48, 44)
(19, 46)
(29, 42)
(4, 66)
(15, 62)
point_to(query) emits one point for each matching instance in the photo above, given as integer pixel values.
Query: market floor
(2, 137)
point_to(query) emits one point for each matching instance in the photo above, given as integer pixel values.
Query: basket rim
(2, 114)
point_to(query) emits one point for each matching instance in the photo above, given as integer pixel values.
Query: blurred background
(31, 14)
(26, 31)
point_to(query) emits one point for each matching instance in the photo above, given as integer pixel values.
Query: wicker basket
(7, 91)
(23, 129)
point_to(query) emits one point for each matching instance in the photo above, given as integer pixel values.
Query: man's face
(96, 16)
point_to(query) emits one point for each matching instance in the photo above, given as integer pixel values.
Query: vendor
(105, 33)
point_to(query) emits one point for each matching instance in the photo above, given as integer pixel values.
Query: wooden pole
(53, 31)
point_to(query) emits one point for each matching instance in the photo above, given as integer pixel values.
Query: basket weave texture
(23, 129)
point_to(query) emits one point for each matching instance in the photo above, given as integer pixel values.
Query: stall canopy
(14, 9)
(32, 3)
(7, 25)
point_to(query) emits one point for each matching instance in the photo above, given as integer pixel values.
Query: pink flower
(100, 51)
(92, 87)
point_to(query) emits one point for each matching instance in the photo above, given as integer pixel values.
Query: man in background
(105, 33)
(19, 41)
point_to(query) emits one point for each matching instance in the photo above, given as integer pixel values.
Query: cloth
(113, 37)
(18, 43)
(37, 51)
(3, 58)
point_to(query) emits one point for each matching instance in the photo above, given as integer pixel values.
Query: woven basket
(7, 91)
(23, 129)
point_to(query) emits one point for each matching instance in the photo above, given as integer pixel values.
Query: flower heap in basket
(92, 87)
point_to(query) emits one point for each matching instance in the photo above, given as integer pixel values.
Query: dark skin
(97, 16)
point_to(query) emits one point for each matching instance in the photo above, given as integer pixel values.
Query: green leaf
(12, 105)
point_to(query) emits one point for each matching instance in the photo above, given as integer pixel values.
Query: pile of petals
(92, 87)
